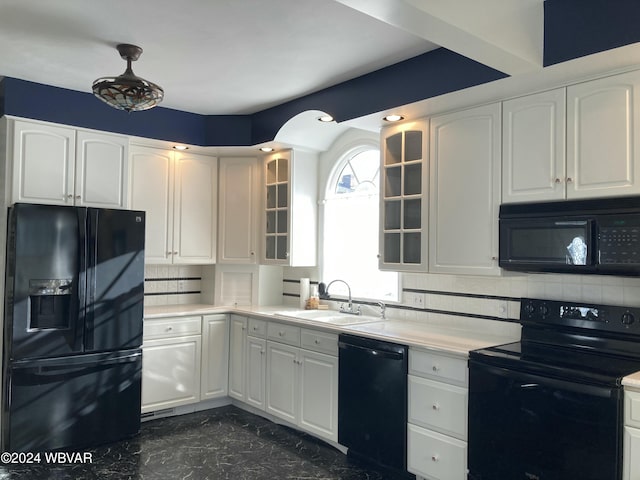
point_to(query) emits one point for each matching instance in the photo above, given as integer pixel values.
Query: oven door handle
(539, 380)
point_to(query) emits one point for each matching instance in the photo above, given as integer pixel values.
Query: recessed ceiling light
(180, 147)
(266, 149)
(393, 118)
(325, 118)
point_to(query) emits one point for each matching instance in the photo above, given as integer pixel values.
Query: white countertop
(632, 381)
(458, 341)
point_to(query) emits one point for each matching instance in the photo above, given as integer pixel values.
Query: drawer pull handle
(281, 333)
(435, 406)
(316, 341)
(435, 458)
(436, 368)
(169, 329)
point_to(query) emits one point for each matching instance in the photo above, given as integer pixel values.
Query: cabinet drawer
(435, 456)
(438, 406)
(632, 408)
(437, 366)
(282, 333)
(319, 341)
(171, 327)
(257, 328)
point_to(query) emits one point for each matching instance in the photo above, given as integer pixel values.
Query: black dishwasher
(372, 400)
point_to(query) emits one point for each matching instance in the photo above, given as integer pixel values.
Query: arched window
(351, 218)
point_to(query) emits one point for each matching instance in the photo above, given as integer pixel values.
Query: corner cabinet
(59, 165)
(237, 215)
(403, 197)
(178, 192)
(465, 188)
(290, 208)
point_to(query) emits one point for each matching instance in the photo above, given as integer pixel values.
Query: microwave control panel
(619, 240)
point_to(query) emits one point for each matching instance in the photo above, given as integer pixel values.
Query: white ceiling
(241, 56)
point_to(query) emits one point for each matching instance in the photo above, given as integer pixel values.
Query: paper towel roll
(304, 291)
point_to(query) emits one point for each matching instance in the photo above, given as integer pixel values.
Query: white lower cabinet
(302, 383)
(631, 463)
(256, 371)
(171, 356)
(437, 416)
(215, 357)
(237, 353)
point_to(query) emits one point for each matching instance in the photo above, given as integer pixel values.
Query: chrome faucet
(349, 308)
(383, 309)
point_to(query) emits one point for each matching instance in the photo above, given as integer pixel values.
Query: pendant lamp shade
(127, 91)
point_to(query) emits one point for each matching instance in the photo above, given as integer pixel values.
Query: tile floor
(224, 443)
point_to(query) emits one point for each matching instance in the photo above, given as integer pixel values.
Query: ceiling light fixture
(266, 149)
(325, 119)
(393, 118)
(180, 147)
(127, 91)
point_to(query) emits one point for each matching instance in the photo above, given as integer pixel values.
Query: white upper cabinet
(63, 166)
(178, 192)
(290, 208)
(403, 197)
(237, 216)
(603, 128)
(465, 191)
(597, 124)
(533, 147)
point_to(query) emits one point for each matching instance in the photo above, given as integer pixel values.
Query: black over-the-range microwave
(600, 236)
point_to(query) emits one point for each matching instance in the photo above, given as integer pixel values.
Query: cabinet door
(152, 191)
(465, 191)
(403, 198)
(256, 371)
(277, 198)
(170, 372)
(319, 394)
(215, 356)
(603, 127)
(282, 381)
(533, 147)
(631, 464)
(237, 210)
(101, 177)
(43, 163)
(237, 356)
(195, 209)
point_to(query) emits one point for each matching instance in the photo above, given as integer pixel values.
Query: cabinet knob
(316, 341)
(281, 333)
(435, 406)
(69, 196)
(435, 458)
(569, 179)
(175, 253)
(557, 180)
(78, 197)
(169, 329)
(494, 258)
(252, 253)
(436, 368)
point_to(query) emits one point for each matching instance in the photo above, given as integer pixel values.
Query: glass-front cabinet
(290, 208)
(277, 208)
(403, 207)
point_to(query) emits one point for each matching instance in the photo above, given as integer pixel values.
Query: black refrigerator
(72, 363)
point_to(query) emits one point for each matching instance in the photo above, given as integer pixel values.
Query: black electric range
(550, 407)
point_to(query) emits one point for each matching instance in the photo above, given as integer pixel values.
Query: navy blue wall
(576, 28)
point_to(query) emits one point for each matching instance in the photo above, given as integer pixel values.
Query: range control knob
(529, 309)
(628, 318)
(543, 310)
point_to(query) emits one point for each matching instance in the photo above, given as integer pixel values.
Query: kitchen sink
(329, 316)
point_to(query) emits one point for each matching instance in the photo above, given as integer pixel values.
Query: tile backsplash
(172, 284)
